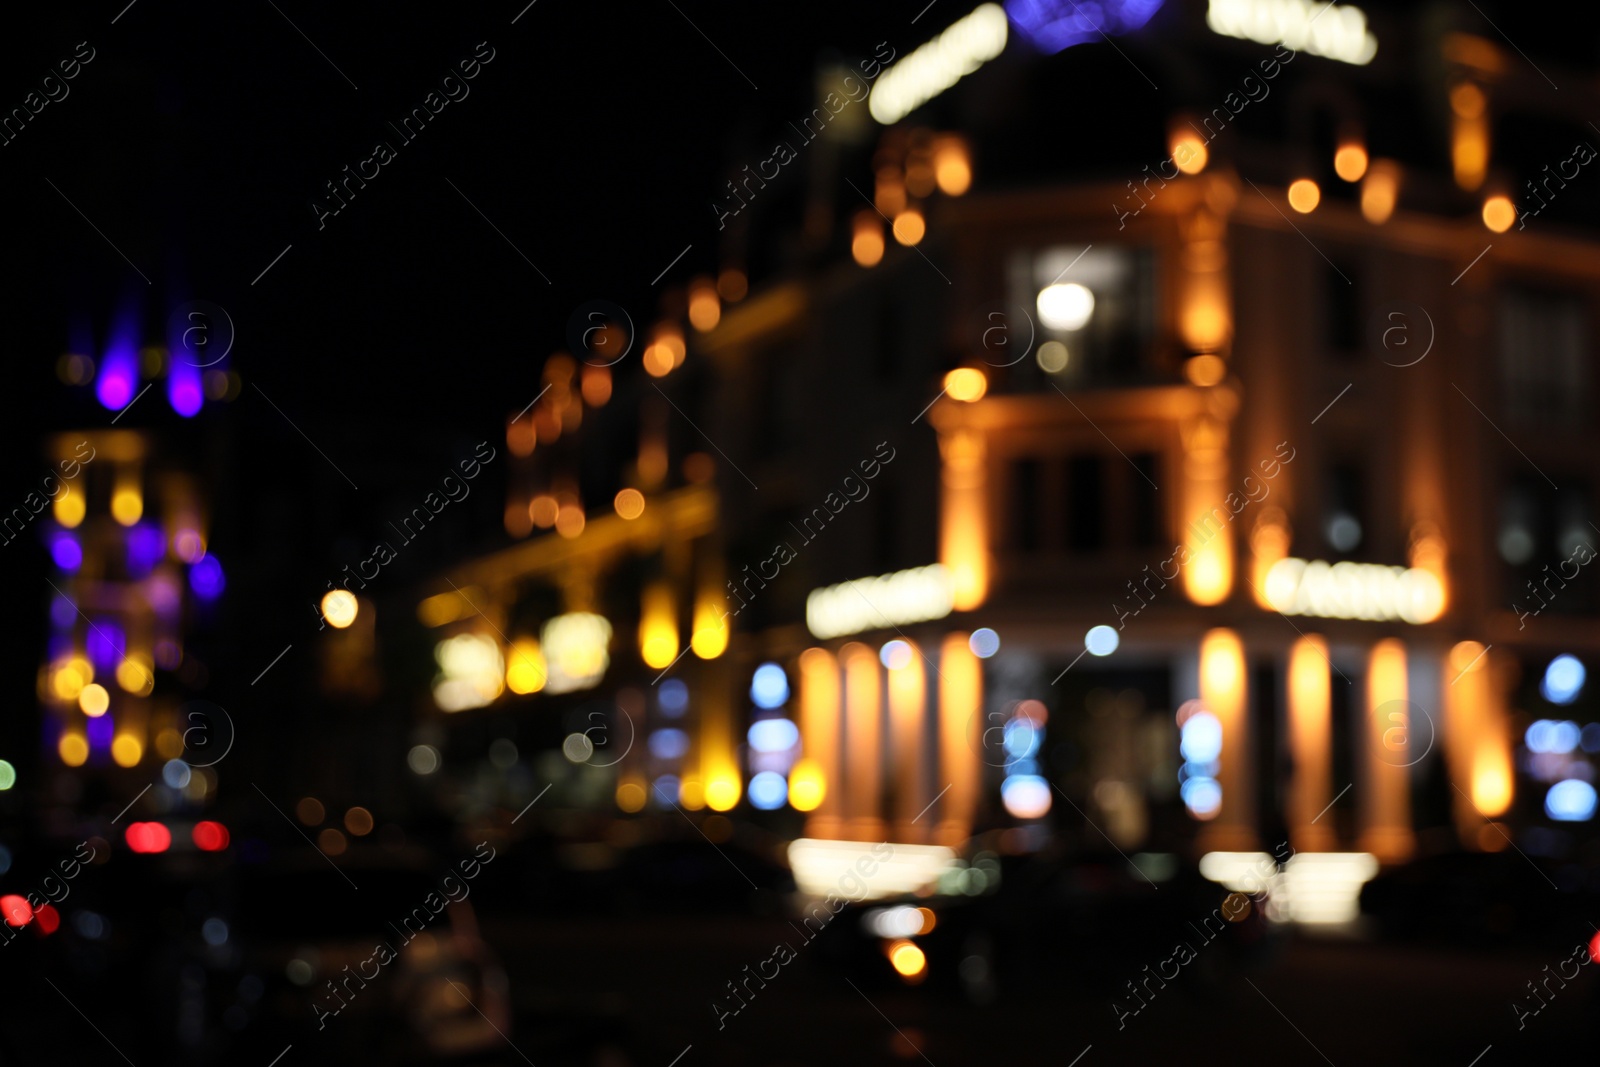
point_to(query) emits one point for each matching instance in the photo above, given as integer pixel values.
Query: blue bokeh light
(205, 578)
(769, 688)
(1570, 801)
(1563, 680)
(669, 743)
(768, 791)
(66, 551)
(1202, 738)
(1053, 25)
(773, 735)
(1202, 796)
(1101, 640)
(673, 697)
(1021, 739)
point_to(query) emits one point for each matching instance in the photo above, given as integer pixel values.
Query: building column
(960, 721)
(908, 756)
(1311, 829)
(1224, 691)
(1477, 738)
(863, 743)
(964, 517)
(819, 738)
(1385, 797)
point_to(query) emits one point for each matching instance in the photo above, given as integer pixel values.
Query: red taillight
(1594, 948)
(49, 919)
(16, 910)
(210, 836)
(148, 837)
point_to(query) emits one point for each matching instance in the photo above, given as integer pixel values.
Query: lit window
(1093, 310)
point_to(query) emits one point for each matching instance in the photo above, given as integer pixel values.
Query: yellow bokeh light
(543, 510)
(73, 749)
(1467, 100)
(705, 307)
(169, 743)
(127, 750)
(691, 793)
(570, 520)
(1205, 370)
(521, 437)
(966, 384)
(1491, 785)
(1189, 152)
(596, 386)
(1210, 574)
(1498, 213)
(710, 637)
(658, 628)
(70, 678)
(339, 607)
(358, 821)
(69, 508)
(526, 671)
(629, 504)
(134, 675)
(722, 793)
(630, 796)
(1379, 191)
(909, 227)
(1469, 151)
(94, 700)
(908, 960)
(657, 360)
(669, 335)
(127, 505)
(309, 810)
(866, 247)
(1304, 195)
(807, 786)
(952, 169)
(1350, 162)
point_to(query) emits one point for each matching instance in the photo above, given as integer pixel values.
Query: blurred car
(1042, 922)
(367, 954)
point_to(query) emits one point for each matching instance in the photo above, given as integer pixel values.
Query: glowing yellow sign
(1322, 29)
(917, 595)
(1367, 591)
(470, 672)
(576, 651)
(936, 66)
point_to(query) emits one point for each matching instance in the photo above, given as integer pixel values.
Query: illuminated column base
(907, 752)
(960, 707)
(1310, 706)
(1223, 690)
(819, 734)
(863, 743)
(1385, 795)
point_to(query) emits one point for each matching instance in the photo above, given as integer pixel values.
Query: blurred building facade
(1242, 472)
(1219, 485)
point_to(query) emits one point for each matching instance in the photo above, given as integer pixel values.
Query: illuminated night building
(135, 586)
(1158, 485)
(594, 642)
